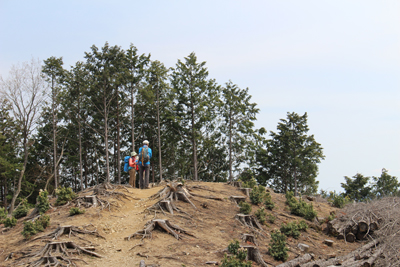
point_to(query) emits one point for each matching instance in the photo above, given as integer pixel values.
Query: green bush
(271, 218)
(331, 217)
(32, 228)
(300, 208)
(10, 222)
(42, 222)
(21, 210)
(74, 211)
(238, 258)
(245, 207)
(3, 214)
(277, 247)
(249, 184)
(43, 203)
(257, 194)
(293, 229)
(260, 214)
(64, 194)
(339, 201)
(29, 229)
(268, 201)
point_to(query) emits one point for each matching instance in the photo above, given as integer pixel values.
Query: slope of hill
(209, 223)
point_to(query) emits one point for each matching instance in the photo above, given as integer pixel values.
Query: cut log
(254, 254)
(350, 237)
(298, 261)
(363, 226)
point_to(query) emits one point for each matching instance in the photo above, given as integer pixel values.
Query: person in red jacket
(132, 169)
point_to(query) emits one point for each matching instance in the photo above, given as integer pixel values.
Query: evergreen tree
(385, 185)
(291, 157)
(357, 188)
(196, 96)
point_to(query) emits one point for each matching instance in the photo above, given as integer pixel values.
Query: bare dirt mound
(165, 226)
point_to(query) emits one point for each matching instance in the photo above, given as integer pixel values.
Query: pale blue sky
(338, 60)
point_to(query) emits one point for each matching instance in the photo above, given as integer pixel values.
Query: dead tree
(165, 225)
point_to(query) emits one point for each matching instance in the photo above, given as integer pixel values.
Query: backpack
(126, 166)
(144, 155)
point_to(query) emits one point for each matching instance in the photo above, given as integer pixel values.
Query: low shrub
(293, 229)
(10, 222)
(251, 183)
(29, 230)
(43, 203)
(21, 210)
(64, 194)
(238, 258)
(268, 201)
(245, 207)
(74, 211)
(261, 214)
(300, 208)
(277, 247)
(271, 218)
(32, 228)
(257, 195)
(338, 200)
(3, 214)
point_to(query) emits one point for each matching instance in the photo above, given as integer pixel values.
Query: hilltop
(210, 225)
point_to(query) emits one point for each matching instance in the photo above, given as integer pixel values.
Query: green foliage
(10, 222)
(75, 210)
(331, 217)
(251, 183)
(271, 218)
(3, 214)
(238, 258)
(338, 200)
(261, 214)
(64, 194)
(277, 247)
(229, 261)
(233, 247)
(32, 228)
(293, 229)
(245, 207)
(300, 208)
(21, 210)
(385, 185)
(357, 188)
(269, 204)
(257, 194)
(29, 229)
(43, 203)
(290, 158)
(42, 222)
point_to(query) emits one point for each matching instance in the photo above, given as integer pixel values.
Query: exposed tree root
(69, 230)
(165, 225)
(251, 222)
(58, 253)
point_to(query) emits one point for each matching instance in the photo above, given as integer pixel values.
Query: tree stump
(237, 199)
(249, 238)
(246, 191)
(254, 254)
(249, 221)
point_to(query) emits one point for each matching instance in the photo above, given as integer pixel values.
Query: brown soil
(213, 224)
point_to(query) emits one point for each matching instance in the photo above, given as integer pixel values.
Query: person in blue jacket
(145, 154)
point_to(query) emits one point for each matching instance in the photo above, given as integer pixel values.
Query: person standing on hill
(145, 154)
(133, 160)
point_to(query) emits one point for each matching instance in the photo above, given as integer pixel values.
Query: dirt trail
(212, 224)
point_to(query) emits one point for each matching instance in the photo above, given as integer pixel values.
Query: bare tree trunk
(159, 136)
(194, 146)
(21, 175)
(133, 118)
(54, 133)
(80, 143)
(118, 145)
(106, 140)
(230, 146)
